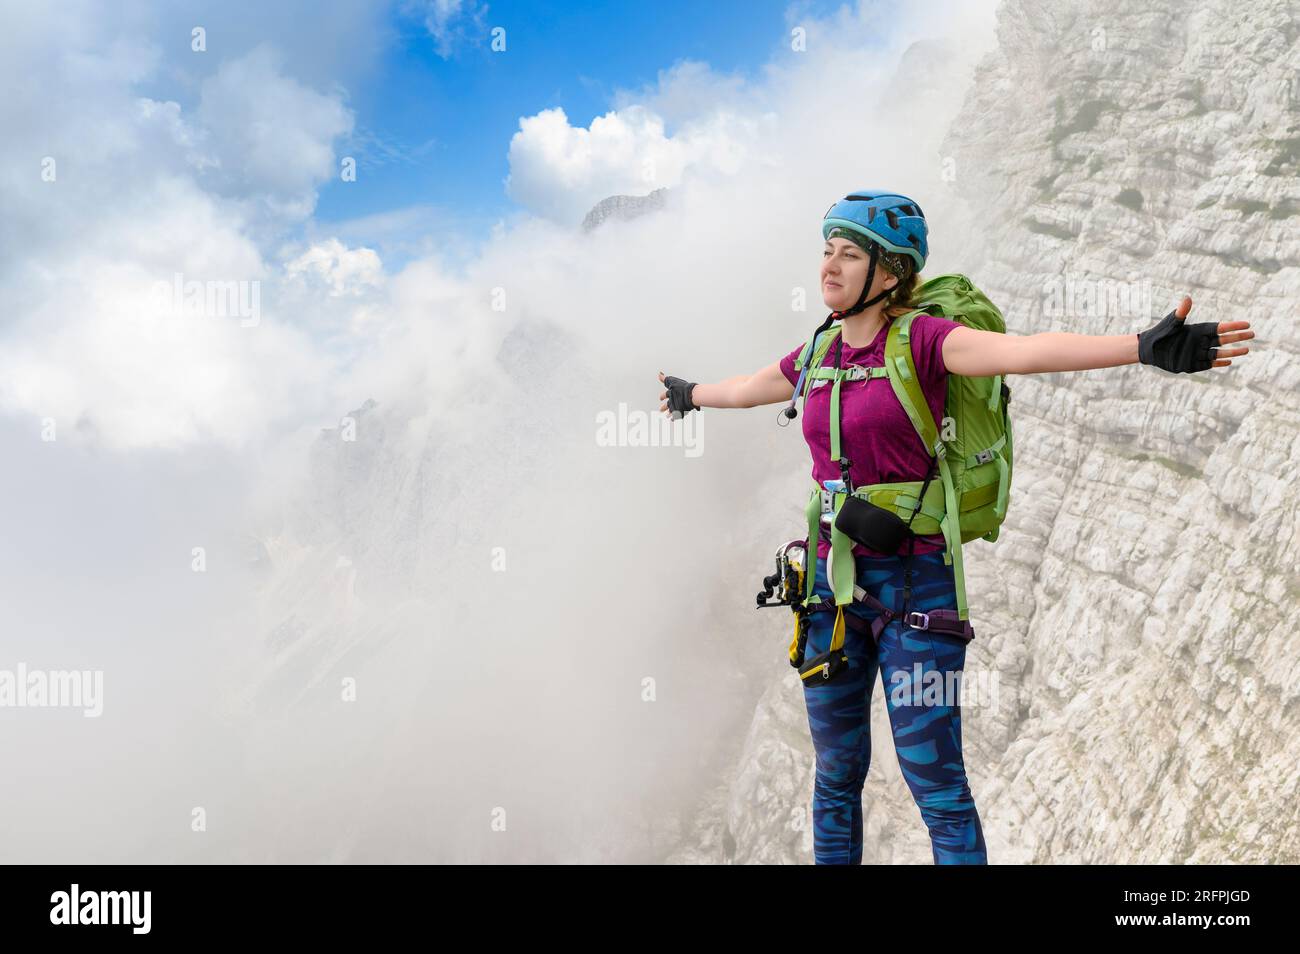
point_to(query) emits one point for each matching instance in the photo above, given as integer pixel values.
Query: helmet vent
(892, 218)
(871, 214)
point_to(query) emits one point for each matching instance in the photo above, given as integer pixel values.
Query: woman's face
(844, 269)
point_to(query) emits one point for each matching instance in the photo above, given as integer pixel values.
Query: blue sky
(434, 130)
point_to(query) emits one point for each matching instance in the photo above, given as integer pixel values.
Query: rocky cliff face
(1138, 611)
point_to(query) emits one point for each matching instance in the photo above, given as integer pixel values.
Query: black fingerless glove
(1177, 346)
(679, 396)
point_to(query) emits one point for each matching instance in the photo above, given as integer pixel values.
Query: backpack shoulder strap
(815, 349)
(907, 386)
(818, 346)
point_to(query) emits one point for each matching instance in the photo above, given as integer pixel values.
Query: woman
(876, 244)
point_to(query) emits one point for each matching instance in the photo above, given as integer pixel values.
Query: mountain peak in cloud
(624, 207)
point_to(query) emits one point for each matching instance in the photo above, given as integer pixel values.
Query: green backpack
(969, 500)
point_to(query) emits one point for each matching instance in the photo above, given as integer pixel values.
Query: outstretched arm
(975, 353)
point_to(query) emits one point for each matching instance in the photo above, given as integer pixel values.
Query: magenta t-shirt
(876, 434)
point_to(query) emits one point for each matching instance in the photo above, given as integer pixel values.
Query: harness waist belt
(946, 621)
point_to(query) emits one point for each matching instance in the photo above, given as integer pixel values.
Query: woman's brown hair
(899, 301)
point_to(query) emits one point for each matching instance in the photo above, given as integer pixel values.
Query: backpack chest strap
(853, 373)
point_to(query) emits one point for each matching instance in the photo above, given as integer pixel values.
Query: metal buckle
(924, 616)
(984, 456)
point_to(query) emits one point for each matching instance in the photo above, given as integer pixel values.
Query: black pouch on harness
(823, 668)
(871, 526)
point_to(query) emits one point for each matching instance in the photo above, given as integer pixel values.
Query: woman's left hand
(1177, 346)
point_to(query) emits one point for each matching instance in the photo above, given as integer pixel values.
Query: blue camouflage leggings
(927, 732)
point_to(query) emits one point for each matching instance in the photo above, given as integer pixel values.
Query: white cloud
(449, 22)
(270, 135)
(688, 90)
(98, 355)
(559, 171)
(144, 192)
(343, 271)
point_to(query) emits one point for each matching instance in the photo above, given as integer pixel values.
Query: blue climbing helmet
(894, 221)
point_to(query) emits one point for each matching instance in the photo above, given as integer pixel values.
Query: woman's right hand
(676, 400)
